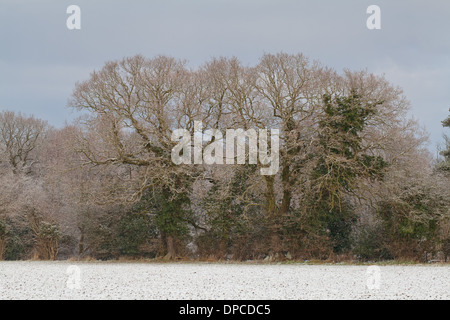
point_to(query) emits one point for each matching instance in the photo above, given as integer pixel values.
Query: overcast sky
(41, 59)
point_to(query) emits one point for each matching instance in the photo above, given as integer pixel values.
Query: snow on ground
(121, 280)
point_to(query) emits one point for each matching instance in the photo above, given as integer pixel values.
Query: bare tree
(19, 138)
(134, 106)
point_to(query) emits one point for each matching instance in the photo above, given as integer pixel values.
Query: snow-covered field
(120, 280)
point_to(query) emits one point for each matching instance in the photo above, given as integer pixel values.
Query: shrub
(134, 233)
(370, 244)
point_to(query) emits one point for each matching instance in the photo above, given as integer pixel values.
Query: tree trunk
(2, 248)
(270, 197)
(223, 247)
(81, 242)
(273, 212)
(170, 245)
(286, 201)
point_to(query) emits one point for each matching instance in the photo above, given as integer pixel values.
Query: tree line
(355, 178)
